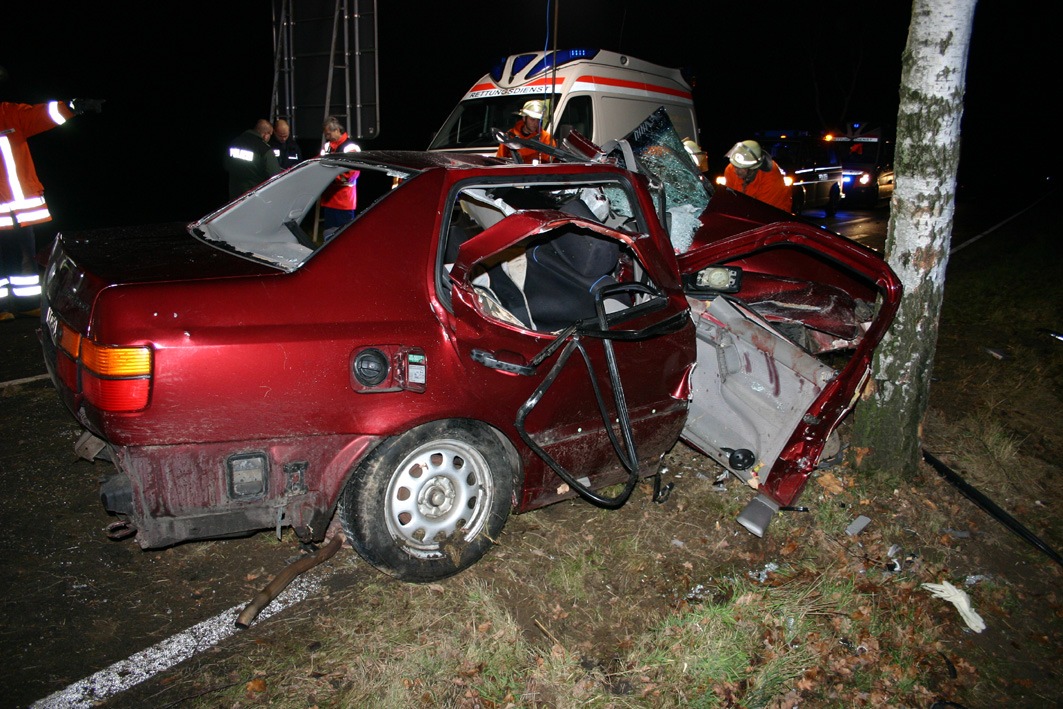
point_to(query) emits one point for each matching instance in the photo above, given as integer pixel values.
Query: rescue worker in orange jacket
(530, 127)
(22, 197)
(751, 171)
(339, 201)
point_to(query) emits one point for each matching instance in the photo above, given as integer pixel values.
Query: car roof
(411, 160)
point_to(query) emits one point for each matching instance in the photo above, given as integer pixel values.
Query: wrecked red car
(484, 338)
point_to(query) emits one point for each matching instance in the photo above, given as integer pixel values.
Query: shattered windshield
(655, 147)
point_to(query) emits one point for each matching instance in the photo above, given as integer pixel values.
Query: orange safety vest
(527, 155)
(21, 193)
(767, 186)
(342, 193)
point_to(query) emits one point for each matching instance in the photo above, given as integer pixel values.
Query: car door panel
(566, 420)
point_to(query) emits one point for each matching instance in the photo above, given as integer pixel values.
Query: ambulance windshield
(472, 124)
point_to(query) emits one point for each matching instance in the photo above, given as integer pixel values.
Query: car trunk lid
(84, 263)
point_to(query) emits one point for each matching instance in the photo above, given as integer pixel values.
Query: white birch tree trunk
(887, 428)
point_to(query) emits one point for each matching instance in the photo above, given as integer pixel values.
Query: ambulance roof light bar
(548, 61)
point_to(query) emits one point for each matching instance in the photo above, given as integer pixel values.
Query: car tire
(833, 201)
(429, 502)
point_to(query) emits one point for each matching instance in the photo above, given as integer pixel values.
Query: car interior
(550, 280)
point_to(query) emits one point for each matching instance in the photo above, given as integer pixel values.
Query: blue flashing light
(496, 70)
(522, 61)
(499, 67)
(560, 58)
(548, 61)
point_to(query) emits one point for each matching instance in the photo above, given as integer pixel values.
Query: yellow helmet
(746, 154)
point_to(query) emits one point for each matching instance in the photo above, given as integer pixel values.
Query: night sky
(180, 84)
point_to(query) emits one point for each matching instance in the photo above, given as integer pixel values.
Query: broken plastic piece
(89, 446)
(757, 514)
(858, 525)
(961, 600)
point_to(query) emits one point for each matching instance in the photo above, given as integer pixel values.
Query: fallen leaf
(257, 685)
(830, 483)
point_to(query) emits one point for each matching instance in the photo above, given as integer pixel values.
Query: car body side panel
(290, 348)
(180, 492)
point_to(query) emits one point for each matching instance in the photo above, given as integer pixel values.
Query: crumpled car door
(788, 315)
(566, 399)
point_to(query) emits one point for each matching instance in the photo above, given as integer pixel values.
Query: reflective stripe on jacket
(250, 162)
(21, 193)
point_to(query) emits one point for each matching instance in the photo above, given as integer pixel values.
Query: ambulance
(601, 94)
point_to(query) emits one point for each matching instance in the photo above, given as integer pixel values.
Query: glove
(81, 105)
(961, 600)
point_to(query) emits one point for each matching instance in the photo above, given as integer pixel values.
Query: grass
(588, 608)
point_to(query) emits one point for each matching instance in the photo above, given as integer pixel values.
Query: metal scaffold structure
(325, 64)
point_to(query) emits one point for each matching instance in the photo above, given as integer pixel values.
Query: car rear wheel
(430, 502)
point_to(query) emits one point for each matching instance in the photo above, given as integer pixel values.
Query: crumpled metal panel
(750, 389)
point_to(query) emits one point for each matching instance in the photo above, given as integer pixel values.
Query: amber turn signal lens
(116, 361)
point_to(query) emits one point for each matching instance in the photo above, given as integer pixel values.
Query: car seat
(565, 272)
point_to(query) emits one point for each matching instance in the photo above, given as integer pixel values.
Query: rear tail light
(115, 394)
(112, 378)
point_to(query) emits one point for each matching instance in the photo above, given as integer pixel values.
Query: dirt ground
(75, 602)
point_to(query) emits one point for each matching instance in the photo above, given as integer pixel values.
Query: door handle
(488, 359)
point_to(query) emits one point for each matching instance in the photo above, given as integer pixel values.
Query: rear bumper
(172, 494)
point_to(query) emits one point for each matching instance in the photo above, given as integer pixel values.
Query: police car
(866, 154)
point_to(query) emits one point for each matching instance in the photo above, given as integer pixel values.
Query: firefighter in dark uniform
(284, 145)
(251, 160)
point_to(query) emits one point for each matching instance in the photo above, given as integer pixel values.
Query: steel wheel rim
(440, 493)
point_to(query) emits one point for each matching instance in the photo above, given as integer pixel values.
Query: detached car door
(788, 316)
(572, 321)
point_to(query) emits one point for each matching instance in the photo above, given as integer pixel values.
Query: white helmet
(534, 109)
(746, 154)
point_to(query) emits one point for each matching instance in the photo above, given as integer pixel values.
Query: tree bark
(887, 430)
